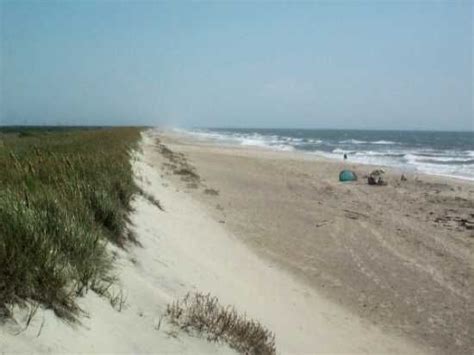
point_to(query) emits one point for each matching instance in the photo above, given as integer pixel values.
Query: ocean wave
(446, 153)
(448, 162)
(444, 160)
(369, 153)
(382, 142)
(379, 142)
(388, 153)
(291, 139)
(343, 151)
(205, 135)
(253, 142)
(352, 141)
(439, 158)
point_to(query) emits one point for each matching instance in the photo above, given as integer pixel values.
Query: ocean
(437, 153)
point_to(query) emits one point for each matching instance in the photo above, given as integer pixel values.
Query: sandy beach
(399, 257)
(192, 246)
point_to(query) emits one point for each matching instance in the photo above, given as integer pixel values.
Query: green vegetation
(203, 314)
(63, 195)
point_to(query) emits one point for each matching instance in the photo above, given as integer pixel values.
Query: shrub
(203, 314)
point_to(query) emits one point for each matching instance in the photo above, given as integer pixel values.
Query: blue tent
(347, 175)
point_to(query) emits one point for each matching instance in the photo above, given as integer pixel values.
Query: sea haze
(436, 153)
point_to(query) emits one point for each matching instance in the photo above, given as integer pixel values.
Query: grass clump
(187, 171)
(179, 165)
(63, 195)
(212, 192)
(203, 314)
(152, 199)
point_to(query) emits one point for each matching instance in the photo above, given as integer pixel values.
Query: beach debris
(212, 192)
(347, 175)
(186, 171)
(403, 178)
(376, 177)
(323, 223)
(354, 215)
(192, 185)
(456, 220)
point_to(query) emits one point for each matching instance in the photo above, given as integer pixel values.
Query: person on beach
(345, 156)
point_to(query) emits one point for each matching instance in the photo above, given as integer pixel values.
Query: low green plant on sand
(203, 314)
(63, 195)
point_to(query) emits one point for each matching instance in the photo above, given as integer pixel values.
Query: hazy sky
(339, 64)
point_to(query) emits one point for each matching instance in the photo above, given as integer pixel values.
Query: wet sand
(400, 256)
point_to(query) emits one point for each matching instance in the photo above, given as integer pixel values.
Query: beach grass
(64, 194)
(202, 313)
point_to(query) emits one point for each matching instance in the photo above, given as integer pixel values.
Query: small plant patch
(203, 314)
(211, 192)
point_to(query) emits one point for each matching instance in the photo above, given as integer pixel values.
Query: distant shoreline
(379, 152)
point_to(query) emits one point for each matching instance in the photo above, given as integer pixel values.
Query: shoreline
(394, 255)
(189, 135)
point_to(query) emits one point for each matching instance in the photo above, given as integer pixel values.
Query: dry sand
(400, 257)
(188, 248)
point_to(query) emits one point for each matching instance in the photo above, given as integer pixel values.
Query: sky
(320, 64)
